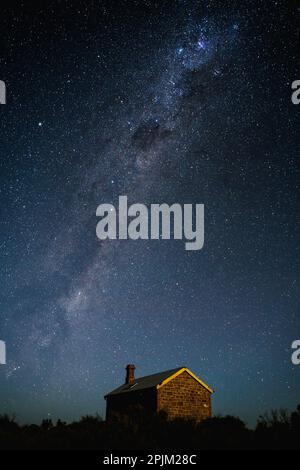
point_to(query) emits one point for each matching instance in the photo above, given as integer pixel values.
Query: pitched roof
(155, 380)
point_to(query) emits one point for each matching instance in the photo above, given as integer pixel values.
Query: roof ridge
(161, 372)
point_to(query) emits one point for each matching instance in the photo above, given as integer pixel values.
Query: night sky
(180, 101)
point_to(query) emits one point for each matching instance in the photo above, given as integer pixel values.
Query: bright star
(201, 44)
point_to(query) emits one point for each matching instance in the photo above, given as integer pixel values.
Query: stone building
(177, 392)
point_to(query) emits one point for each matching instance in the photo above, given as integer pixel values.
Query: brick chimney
(130, 374)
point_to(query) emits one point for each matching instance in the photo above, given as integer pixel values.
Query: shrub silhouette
(141, 430)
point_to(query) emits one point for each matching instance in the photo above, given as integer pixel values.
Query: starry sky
(180, 101)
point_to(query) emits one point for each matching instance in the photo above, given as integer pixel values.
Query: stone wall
(184, 397)
(127, 403)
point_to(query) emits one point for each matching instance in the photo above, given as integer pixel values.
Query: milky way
(180, 102)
